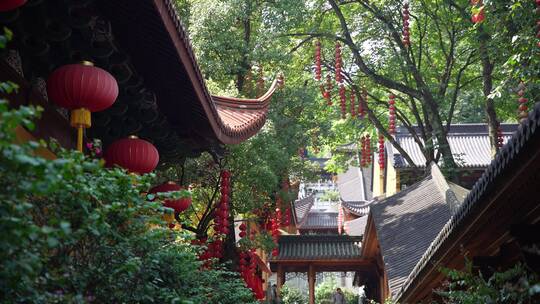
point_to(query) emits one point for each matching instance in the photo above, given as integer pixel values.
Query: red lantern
(82, 88)
(179, 205)
(8, 5)
(133, 154)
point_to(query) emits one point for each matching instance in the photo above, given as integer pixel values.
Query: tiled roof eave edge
(503, 158)
(174, 27)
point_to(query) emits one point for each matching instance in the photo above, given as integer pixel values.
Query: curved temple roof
(162, 51)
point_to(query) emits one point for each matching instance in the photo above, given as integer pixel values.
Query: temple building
(162, 93)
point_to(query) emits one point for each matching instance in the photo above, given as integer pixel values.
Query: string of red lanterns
(327, 92)
(287, 217)
(338, 64)
(318, 69)
(365, 151)
(362, 103)
(406, 28)
(392, 114)
(221, 220)
(342, 101)
(276, 223)
(522, 100)
(353, 104)
(381, 152)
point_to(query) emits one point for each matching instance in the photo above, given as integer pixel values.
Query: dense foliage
(515, 285)
(75, 232)
(454, 70)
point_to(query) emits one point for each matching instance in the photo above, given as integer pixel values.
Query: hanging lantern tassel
(82, 88)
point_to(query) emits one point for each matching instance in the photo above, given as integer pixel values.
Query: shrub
(291, 295)
(75, 232)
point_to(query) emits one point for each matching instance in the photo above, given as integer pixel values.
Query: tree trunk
(487, 78)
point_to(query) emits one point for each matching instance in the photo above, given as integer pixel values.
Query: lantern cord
(80, 138)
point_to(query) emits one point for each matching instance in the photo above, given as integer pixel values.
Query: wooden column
(280, 278)
(381, 181)
(311, 282)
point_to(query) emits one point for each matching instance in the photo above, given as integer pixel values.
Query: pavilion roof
(162, 53)
(516, 152)
(318, 247)
(469, 144)
(407, 222)
(301, 208)
(319, 220)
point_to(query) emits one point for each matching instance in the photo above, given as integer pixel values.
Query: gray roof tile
(318, 247)
(301, 208)
(469, 144)
(320, 220)
(526, 134)
(351, 185)
(409, 221)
